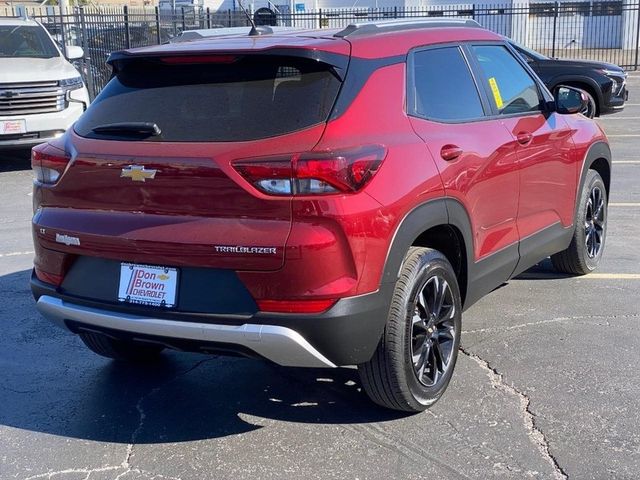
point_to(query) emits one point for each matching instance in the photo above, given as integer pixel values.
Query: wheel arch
(598, 158)
(441, 224)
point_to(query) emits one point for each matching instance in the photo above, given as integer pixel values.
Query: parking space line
(626, 162)
(618, 118)
(625, 204)
(15, 254)
(612, 276)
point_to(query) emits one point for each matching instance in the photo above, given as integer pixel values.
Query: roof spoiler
(339, 63)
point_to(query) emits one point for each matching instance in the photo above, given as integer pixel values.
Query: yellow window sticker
(496, 92)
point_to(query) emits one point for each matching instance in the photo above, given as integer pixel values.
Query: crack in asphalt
(552, 320)
(126, 463)
(533, 432)
(88, 471)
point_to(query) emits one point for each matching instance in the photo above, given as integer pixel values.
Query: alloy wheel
(433, 331)
(594, 222)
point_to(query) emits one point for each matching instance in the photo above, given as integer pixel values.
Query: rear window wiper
(134, 129)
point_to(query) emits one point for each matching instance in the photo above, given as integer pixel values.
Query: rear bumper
(346, 334)
(278, 344)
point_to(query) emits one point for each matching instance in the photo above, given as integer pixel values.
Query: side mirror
(74, 53)
(570, 100)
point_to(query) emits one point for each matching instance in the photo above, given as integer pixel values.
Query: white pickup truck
(41, 93)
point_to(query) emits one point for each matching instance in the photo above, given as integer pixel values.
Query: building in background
(586, 24)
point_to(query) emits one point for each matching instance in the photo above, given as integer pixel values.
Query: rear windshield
(25, 41)
(248, 99)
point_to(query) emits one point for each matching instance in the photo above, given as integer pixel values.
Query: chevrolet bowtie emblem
(138, 173)
(9, 93)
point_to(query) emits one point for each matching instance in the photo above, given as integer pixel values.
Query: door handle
(450, 152)
(524, 138)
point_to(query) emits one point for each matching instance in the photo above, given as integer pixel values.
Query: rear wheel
(120, 349)
(415, 358)
(585, 251)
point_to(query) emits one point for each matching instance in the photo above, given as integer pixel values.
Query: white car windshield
(27, 41)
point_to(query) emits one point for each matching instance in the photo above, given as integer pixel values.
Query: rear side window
(444, 87)
(247, 99)
(509, 85)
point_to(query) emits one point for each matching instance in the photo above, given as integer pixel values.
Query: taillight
(314, 173)
(295, 306)
(48, 162)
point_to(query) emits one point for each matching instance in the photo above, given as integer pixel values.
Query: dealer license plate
(148, 285)
(12, 127)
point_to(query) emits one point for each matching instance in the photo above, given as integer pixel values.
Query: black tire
(392, 378)
(580, 257)
(120, 350)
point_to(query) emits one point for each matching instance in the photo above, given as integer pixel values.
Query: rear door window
(510, 87)
(236, 99)
(444, 87)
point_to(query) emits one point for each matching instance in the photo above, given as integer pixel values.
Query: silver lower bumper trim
(279, 344)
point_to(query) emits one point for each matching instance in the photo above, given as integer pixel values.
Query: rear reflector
(295, 306)
(48, 163)
(49, 278)
(314, 173)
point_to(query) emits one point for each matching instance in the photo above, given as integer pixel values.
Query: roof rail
(189, 35)
(367, 28)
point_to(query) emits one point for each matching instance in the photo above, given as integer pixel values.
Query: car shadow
(543, 270)
(52, 384)
(15, 160)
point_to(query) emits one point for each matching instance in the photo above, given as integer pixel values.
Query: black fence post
(127, 31)
(320, 18)
(184, 23)
(229, 16)
(555, 24)
(637, 33)
(208, 17)
(395, 12)
(63, 33)
(158, 36)
(86, 61)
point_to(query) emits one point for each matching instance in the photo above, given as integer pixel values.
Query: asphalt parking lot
(547, 385)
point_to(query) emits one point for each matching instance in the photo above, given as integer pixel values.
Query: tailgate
(151, 178)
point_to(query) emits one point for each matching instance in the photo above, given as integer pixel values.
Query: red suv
(314, 198)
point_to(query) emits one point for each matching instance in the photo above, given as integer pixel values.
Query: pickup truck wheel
(415, 358)
(120, 349)
(585, 251)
